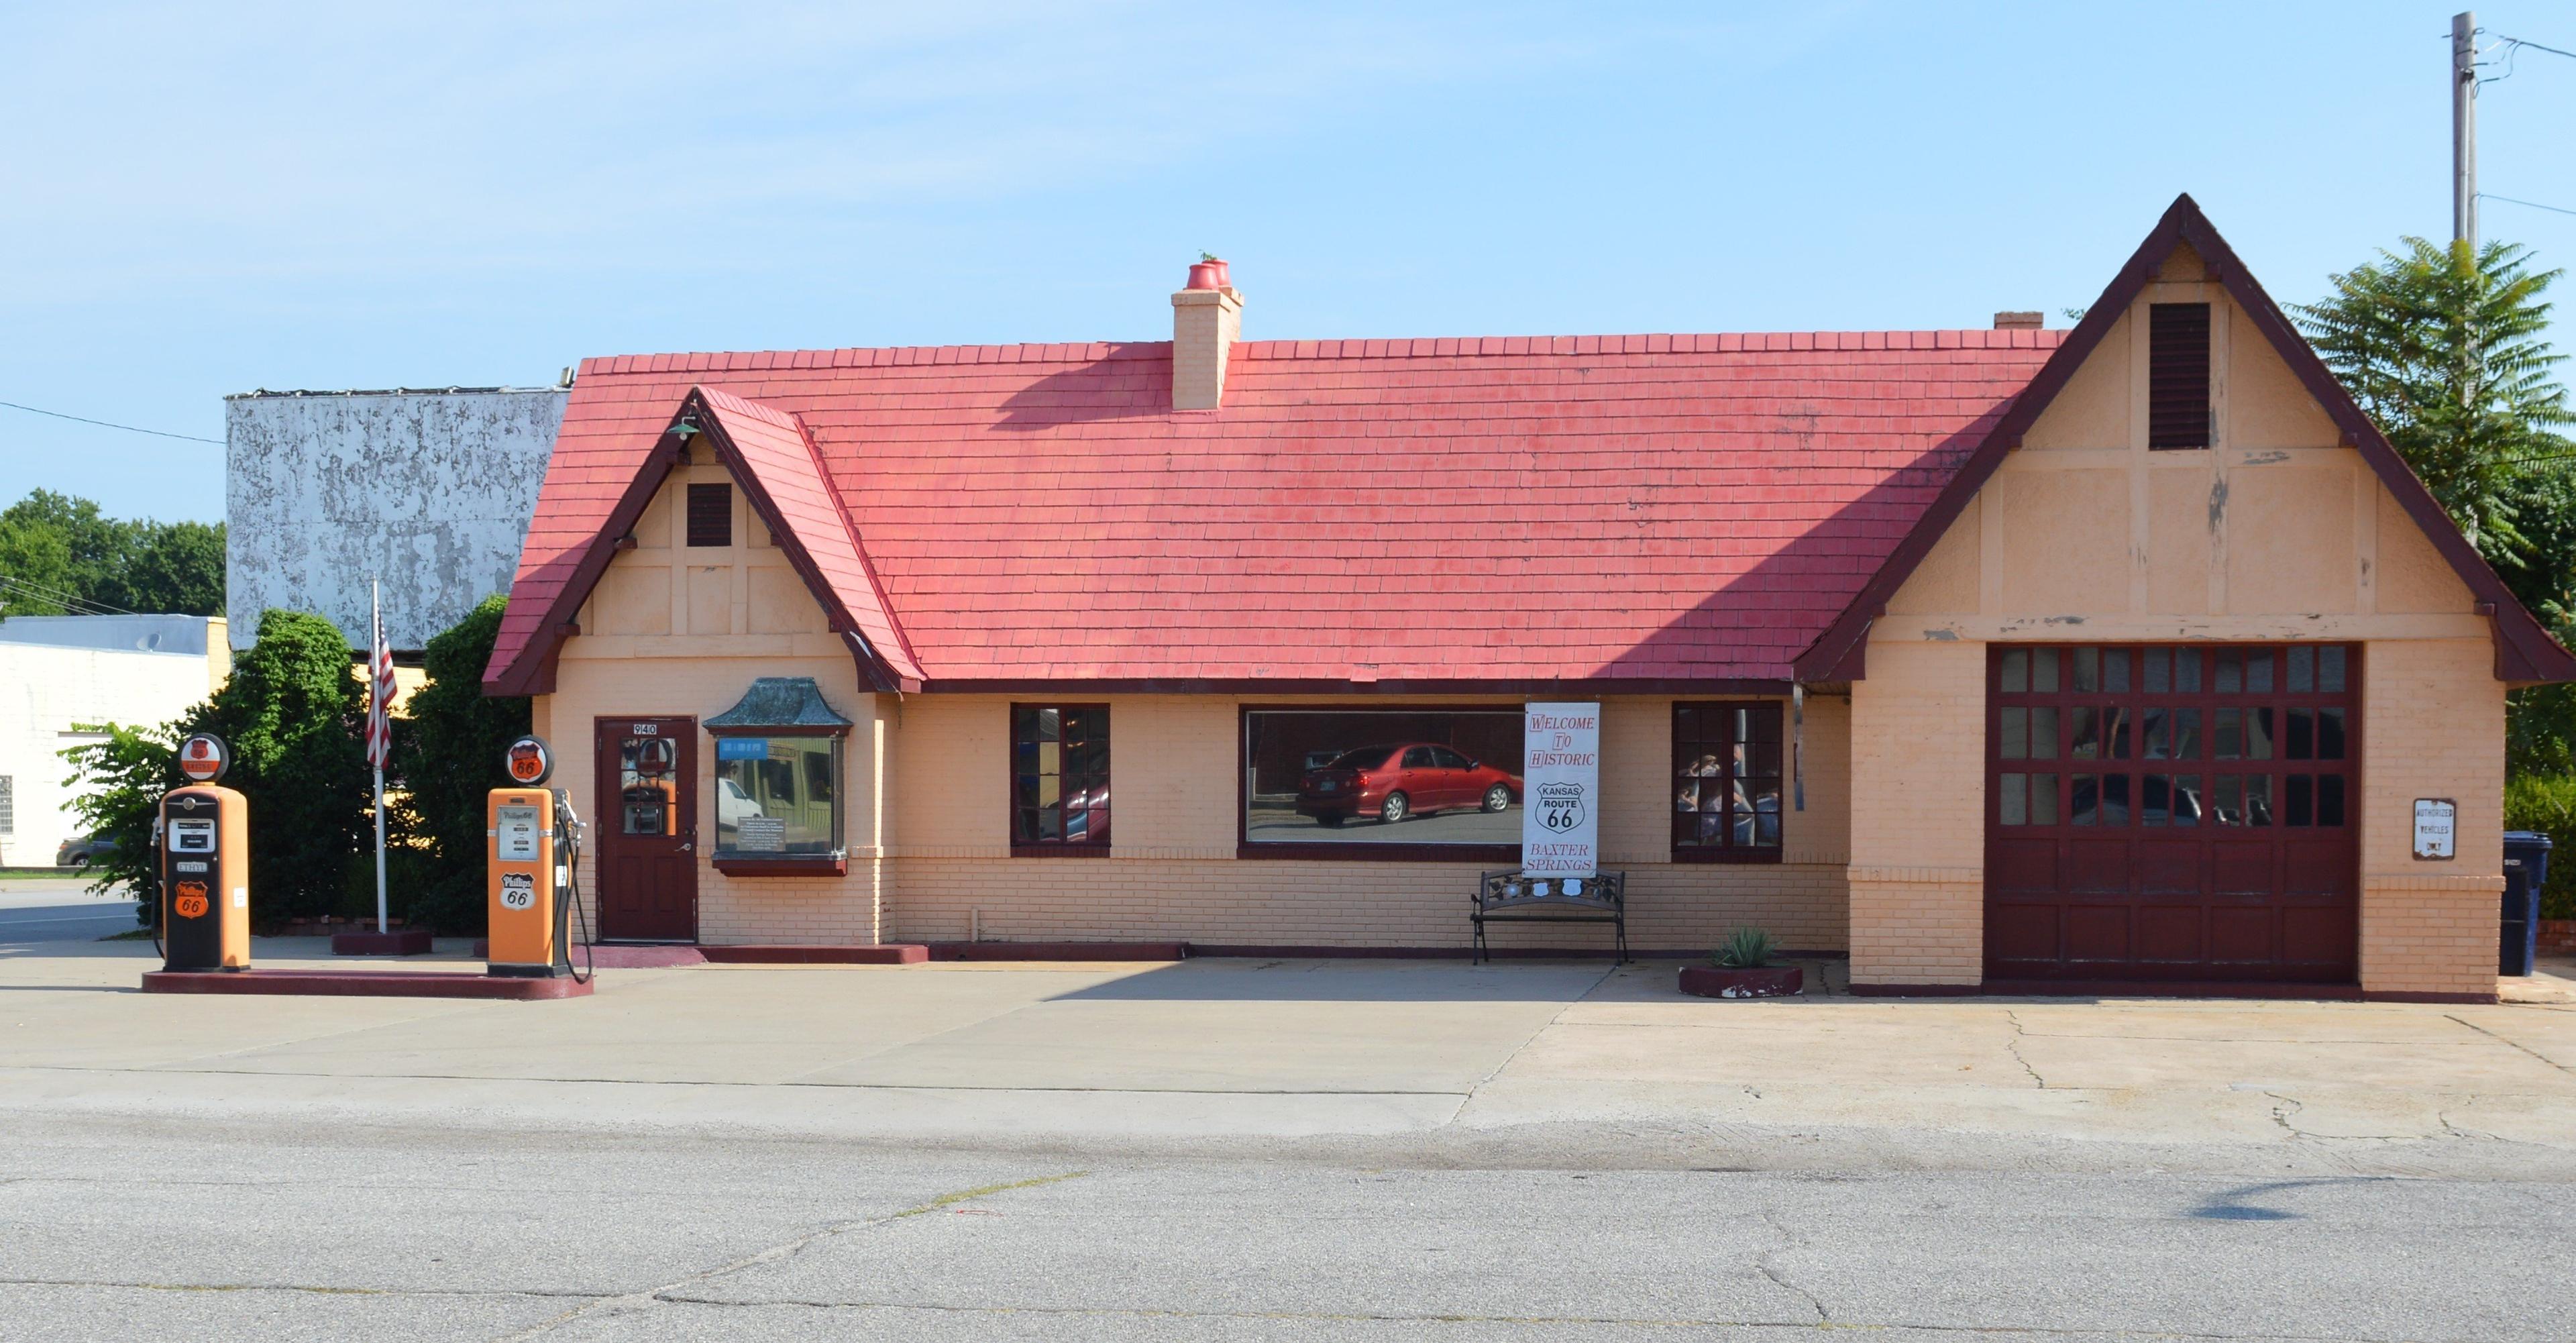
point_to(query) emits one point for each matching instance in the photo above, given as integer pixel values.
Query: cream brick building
(1999, 659)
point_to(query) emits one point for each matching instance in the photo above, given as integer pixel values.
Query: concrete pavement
(1242, 1149)
(1512, 1065)
(149, 1228)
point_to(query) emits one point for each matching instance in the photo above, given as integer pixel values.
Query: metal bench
(1518, 897)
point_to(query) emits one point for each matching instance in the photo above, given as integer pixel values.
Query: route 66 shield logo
(1560, 806)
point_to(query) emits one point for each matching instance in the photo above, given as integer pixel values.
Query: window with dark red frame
(1059, 779)
(1726, 782)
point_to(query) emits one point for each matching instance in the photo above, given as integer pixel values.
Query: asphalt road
(122, 1227)
(59, 910)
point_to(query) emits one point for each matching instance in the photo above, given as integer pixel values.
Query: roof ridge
(1372, 347)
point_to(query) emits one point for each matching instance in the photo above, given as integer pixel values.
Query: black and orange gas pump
(533, 843)
(205, 864)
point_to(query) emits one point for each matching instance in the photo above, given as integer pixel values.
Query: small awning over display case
(778, 782)
(780, 702)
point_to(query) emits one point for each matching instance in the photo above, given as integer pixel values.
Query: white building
(428, 490)
(59, 674)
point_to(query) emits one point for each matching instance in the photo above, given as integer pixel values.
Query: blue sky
(208, 199)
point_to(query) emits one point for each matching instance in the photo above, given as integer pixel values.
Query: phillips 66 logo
(1560, 806)
(518, 890)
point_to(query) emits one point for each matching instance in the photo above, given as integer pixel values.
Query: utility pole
(2464, 128)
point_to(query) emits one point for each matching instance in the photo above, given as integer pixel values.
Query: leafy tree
(448, 751)
(66, 556)
(119, 783)
(295, 714)
(2442, 346)
(100, 547)
(178, 570)
(35, 569)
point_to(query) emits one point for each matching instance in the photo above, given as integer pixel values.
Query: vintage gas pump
(205, 864)
(534, 862)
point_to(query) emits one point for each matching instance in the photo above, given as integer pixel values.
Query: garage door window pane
(2100, 799)
(2170, 799)
(2330, 670)
(2171, 734)
(2244, 799)
(2330, 734)
(2029, 799)
(2299, 803)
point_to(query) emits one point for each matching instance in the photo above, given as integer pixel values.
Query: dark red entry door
(2173, 813)
(647, 829)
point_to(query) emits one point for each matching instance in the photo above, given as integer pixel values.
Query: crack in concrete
(2515, 1043)
(780, 1252)
(672, 1296)
(707, 1085)
(1436, 1317)
(310, 1289)
(1543, 1028)
(2012, 1045)
(1788, 1241)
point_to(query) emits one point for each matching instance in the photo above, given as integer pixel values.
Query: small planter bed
(1771, 981)
(1743, 969)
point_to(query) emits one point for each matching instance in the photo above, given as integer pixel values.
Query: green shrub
(116, 791)
(294, 713)
(1744, 949)
(2547, 803)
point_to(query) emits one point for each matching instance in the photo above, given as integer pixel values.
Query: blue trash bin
(2526, 870)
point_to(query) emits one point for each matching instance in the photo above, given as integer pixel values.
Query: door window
(648, 786)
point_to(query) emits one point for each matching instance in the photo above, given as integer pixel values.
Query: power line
(2491, 196)
(2517, 42)
(131, 429)
(78, 606)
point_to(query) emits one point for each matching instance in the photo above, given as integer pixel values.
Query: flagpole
(376, 689)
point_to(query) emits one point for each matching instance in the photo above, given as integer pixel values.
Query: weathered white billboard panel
(431, 491)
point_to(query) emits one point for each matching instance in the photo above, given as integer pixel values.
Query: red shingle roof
(785, 478)
(1631, 509)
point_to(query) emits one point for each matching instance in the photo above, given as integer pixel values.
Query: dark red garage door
(2161, 813)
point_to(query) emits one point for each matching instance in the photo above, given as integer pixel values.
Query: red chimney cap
(1203, 276)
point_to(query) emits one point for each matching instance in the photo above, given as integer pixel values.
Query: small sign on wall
(1561, 790)
(2436, 828)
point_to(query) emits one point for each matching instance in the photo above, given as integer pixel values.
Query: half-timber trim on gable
(770, 456)
(2524, 651)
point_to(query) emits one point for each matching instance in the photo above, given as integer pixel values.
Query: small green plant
(2548, 804)
(1744, 949)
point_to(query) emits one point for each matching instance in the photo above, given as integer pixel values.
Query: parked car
(84, 850)
(1403, 779)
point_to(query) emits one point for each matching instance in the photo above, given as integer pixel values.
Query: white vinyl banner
(1561, 790)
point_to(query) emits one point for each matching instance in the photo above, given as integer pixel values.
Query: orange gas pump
(205, 864)
(533, 862)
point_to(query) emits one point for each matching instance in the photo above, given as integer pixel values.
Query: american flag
(380, 721)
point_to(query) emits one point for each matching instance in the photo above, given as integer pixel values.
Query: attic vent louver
(2178, 412)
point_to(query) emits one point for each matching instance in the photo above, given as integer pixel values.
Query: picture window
(1059, 779)
(1727, 772)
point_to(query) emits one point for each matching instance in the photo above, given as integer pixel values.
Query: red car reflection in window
(1401, 779)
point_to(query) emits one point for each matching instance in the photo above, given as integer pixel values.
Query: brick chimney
(1207, 318)
(2018, 321)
